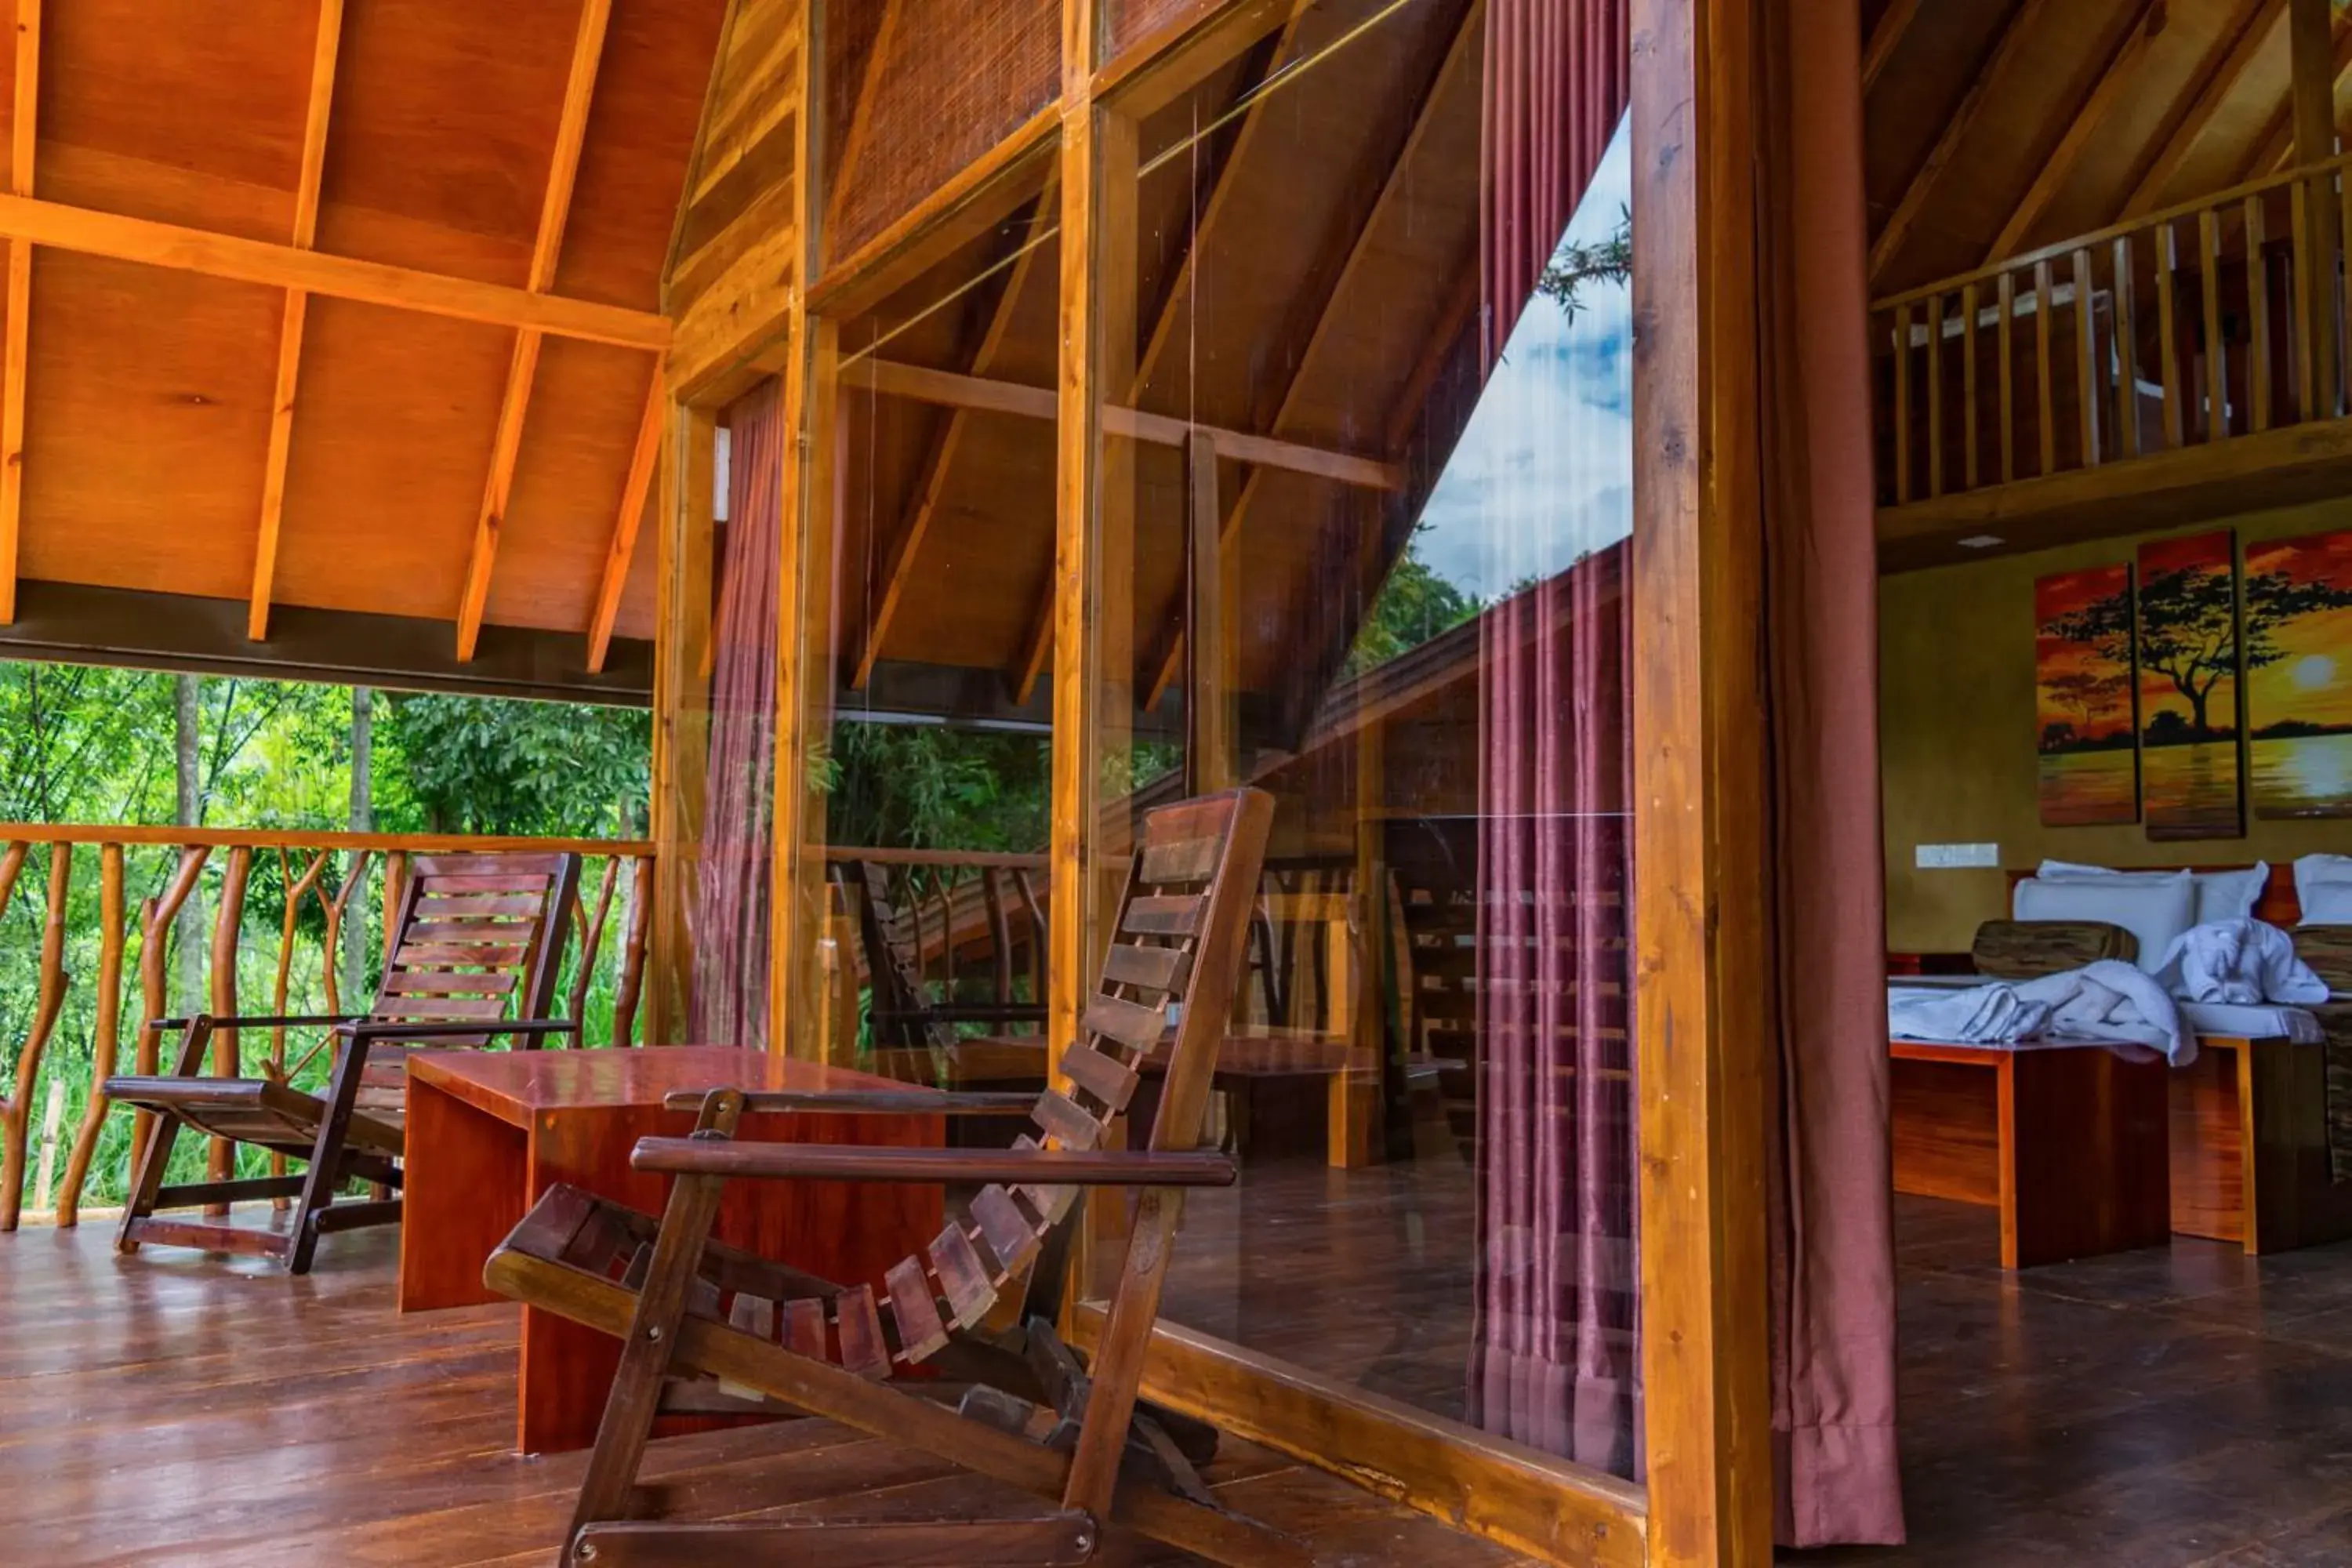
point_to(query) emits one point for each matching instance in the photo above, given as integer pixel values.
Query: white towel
(1978, 1016)
(2112, 1000)
(2239, 961)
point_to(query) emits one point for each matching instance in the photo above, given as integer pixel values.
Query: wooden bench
(2068, 1144)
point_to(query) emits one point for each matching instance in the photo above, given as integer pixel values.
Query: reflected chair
(996, 1392)
(477, 934)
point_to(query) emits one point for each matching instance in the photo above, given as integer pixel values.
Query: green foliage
(926, 786)
(1415, 605)
(467, 764)
(1609, 261)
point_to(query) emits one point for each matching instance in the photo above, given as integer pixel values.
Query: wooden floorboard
(172, 1408)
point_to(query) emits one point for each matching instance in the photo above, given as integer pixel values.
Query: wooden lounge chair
(477, 933)
(1013, 1402)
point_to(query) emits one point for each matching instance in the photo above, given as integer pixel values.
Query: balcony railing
(87, 957)
(2220, 318)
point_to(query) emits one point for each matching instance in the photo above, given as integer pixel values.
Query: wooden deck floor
(172, 1409)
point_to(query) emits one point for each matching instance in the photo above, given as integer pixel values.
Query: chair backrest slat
(479, 937)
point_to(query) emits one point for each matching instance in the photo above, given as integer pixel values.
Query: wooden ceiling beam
(2015, 34)
(932, 487)
(555, 208)
(861, 116)
(23, 142)
(1886, 38)
(326, 45)
(1462, 55)
(2234, 50)
(59, 227)
(643, 460)
(2122, 66)
(2276, 152)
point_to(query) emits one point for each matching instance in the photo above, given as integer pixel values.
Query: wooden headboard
(2278, 905)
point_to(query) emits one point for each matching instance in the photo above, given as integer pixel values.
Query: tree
(2189, 634)
(1609, 261)
(472, 764)
(2272, 599)
(1414, 605)
(2084, 693)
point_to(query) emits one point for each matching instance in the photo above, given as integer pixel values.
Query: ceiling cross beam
(643, 458)
(2235, 51)
(2016, 33)
(1886, 38)
(14, 348)
(564, 168)
(1462, 56)
(2123, 65)
(327, 44)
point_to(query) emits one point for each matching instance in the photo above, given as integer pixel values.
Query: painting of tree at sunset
(2299, 674)
(2086, 731)
(2189, 688)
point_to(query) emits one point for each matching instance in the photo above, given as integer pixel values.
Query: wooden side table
(489, 1131)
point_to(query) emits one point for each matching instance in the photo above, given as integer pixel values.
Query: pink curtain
(730, 908)
(1557, 1350)
(1830, 1208)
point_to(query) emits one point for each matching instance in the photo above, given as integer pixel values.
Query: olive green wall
(1956, 713)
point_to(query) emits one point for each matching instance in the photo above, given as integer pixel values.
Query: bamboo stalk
(106, 1037)
(17, 1112)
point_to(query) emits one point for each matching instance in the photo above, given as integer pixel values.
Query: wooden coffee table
(489, 1132)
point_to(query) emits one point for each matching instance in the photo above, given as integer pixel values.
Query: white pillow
(2155, 909)
(2221, 895)
(2330, 904)
(2312, 875)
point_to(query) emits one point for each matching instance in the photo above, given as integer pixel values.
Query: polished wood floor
(174, 1409)
(2183, 1406)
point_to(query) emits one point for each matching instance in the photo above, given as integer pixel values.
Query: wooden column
(1210, 738)
(1698, 750)
(2312, 73)
(681, 710)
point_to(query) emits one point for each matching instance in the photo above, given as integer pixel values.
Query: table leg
(2084, 1162)
(461, 1193)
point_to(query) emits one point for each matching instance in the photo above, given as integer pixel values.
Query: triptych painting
(2143, 672)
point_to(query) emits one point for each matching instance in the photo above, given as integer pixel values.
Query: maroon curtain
(736, 880)
(1556, 1337)
(1830, 1210)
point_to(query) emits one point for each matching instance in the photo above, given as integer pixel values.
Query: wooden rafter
(13, 349)
(1886, 38)
(324, 49)
(642, 462)
(182, 249)
(2015, 34)
(555, 206)
(940, 460)
(2276, 152)
(2234, 50)
(2122, 66)
(1038, 648)
(1461, 56)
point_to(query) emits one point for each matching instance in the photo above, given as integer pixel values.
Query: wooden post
(1969, 383)
(2258, 318)
(1935, 395)
(2045, 328)
(2006, 300)
(1698, 746)
(228, 923)
(17, 1110)
(682, 543)
(2129, 440)
(592, 943)
(629, 982)
(106, 1034)
(2217, 351)
(2089, 388)
(1208, 689)
(2311, 56)
(156, 916)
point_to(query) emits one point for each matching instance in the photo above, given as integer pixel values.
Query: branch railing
(2218, 318)
(290, 913)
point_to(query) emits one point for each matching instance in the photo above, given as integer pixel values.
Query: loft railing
(88, 918)
(2220, 318)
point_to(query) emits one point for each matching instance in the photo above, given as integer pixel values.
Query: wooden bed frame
(2244, 1152)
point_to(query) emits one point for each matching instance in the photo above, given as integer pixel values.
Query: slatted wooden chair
(478, 934)
(1009, 1401)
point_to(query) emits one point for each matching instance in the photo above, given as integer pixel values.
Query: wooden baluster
(395, 878)
(2343, 205)
(1935, 395)
(155, 917)
(631, 979)
(1000, 935)
(592, 942)
(11, 866)
(228, 926)
(1902, 404)
(2089, 388)
(2217, 354)
(2007, 291)
(2044, 326)
(17, 1110)
(2259, 367)
(336, 908)
(1027, 890)
(106, 1035)
(2168, 329)
(943, 883)
(296, 892)
(1969, 384)
(2129, 441)
(2305, 333)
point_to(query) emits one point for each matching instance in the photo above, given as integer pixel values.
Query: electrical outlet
(1952, 856)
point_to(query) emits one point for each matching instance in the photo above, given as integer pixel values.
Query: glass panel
(925, 648)
(916, 89)
(1383, 569)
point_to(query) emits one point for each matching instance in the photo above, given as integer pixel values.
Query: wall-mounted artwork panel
(2299, 655)
(2087, 728)
(2187, 657)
